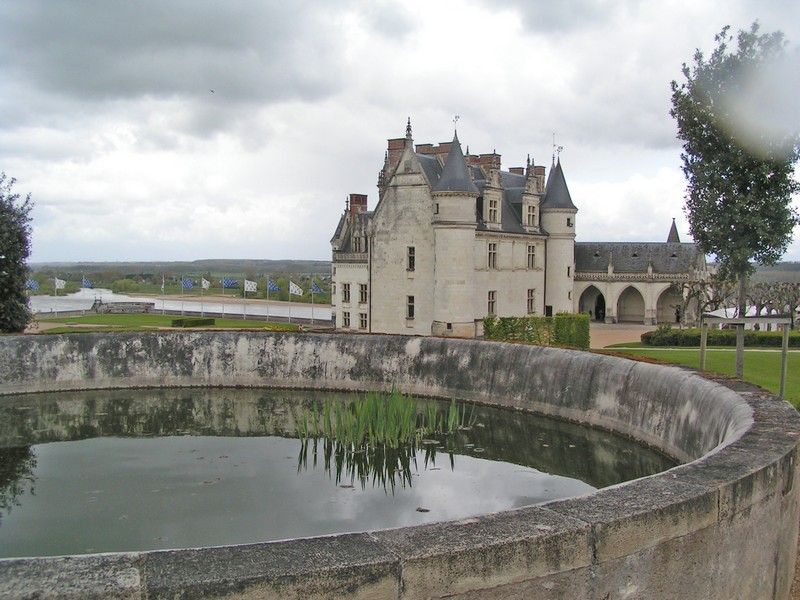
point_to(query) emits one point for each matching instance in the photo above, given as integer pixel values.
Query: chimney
(395, 150)
(425, 149)
(517, 170)
(358, 204)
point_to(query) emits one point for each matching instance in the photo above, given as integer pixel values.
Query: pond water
(105, 471)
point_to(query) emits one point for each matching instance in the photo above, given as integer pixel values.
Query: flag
(272, 287)
(162, 284)
(315, 289)
(205, 283)
(86, 283)
(187, 284)
(60, 283)
(33, 285)
(250, 286)
(295, 289)
(228, 283)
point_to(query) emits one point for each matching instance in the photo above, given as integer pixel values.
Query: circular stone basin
(721, 525)
(132, 470)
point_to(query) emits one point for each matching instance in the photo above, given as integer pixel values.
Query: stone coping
(723, 524)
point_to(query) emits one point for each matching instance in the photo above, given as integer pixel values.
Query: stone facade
(454, 238)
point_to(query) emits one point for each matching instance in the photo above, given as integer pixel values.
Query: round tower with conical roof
(454, 224)
(558, 220)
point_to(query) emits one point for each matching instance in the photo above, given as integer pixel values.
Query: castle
(454, 239)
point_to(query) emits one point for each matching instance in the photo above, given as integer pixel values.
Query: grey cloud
(553, 17)
(247, 52)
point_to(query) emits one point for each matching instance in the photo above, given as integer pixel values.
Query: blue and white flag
(315, 289)
(295, 289)
(250, 286)
(33, 285)
(85, 282)
(187, 284)
(228, 283)
(59, 283)
(272, 287)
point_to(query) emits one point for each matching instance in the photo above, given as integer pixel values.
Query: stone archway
(630, 306)
(668, 305)
(593, 302)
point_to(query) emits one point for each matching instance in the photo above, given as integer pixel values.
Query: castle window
(493, 211)
(569, 271)
(411, 259)
(491, 304)
(531, 216)
(492, 261)
(531, 256)
(531, 301)
(362, 293)
(346, 293)
(362, 320)
(345, 319)
(409, 307)
(333, 289)
(569, 221)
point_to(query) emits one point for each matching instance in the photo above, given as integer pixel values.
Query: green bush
(562, 330)
(124, 286)
(664, 335)
(193, 322)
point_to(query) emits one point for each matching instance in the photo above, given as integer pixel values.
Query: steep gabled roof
(673, 237)
(455, 176)
(557, 193)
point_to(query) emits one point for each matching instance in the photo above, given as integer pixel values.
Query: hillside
(228, 266)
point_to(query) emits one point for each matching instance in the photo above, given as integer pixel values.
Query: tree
(740, 179)
(15, 231)
(739, 195)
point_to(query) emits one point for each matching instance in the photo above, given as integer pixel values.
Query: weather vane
(455, 122)
(556, 149)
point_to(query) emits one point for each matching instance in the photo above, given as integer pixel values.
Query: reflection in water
(147, 469)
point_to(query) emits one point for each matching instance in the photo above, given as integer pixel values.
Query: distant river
(85, 298)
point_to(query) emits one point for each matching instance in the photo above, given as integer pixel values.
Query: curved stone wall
(722, 525)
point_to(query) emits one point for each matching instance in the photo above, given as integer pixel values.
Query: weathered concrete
(722, 525)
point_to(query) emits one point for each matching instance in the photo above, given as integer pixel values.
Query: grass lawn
(763, 368)
(139, 322)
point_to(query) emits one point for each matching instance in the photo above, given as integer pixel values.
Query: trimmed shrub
(192, 322)
(564, 329)
(664, 335)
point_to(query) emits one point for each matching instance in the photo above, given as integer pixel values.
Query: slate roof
(557, 193)
(673, 236)
(634, 257)
(455, 176)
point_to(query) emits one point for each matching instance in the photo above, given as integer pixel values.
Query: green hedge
(664, 335)
(193, 322)
(562, 330)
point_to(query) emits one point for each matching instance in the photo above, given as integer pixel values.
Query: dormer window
(635, 255)
(531, 216)
(596, 254)
(493, 211)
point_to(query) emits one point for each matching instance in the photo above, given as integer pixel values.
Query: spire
(556, 194)
(409, 139)
(455, 176)
(673, 237)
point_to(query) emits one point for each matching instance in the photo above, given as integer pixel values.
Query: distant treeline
(196, 266)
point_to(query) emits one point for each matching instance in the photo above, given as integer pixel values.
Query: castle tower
(558, 221)
(454, 223)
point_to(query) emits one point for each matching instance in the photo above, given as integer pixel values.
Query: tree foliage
(739, 191)
(15, 231)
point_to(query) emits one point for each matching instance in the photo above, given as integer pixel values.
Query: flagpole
(202, 287)
(223, 297)
(163, 295)
(268, 282)
(290, 300)
(244, 306)
(182, 295)
(312, 301)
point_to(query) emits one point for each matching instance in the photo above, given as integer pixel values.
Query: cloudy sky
(190, 129)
